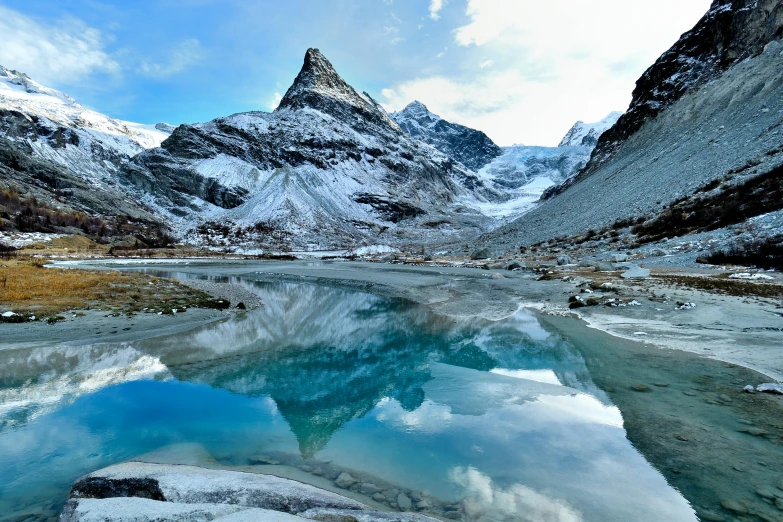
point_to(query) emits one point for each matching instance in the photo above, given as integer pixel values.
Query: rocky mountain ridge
(471, 147)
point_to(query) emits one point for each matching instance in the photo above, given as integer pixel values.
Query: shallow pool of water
(499, 420)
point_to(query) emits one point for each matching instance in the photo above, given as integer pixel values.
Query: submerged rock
(345, 480)
(403, 502)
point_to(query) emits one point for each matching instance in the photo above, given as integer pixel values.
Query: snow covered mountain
(586, 134)
(470, 147)
(327, 169)
(526, 172)
(50, 143)
(61, 114)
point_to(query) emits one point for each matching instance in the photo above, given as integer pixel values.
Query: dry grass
(725, 286)
(27, 286)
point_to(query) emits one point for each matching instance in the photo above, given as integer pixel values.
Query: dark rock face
(102, 487)
(471, 147)
(731, 31)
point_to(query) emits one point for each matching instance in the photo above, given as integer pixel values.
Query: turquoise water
(499, 420)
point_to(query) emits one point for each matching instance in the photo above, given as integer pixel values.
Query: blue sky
(521, 70)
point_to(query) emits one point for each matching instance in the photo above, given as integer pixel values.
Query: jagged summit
(319, 87)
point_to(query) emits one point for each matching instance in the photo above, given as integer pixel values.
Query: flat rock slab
(194, 485)
(635, 272)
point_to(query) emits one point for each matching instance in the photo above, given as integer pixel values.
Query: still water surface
(499, 420)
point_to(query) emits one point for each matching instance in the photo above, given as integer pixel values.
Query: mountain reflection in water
(500, 414)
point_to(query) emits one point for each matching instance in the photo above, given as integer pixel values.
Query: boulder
(563, 260)
(601, 266)
(514, 265)
(403, 502)
(482, 253)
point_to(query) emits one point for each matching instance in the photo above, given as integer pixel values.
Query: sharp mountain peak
(318, 86)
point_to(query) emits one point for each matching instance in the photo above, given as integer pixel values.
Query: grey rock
(619, 258)
(482, 253)
(636, 272)
(563, 260)
(601, 266)
(514, 265)
(368, 488)
(378, 497)
(423, 504)
(403, 502)
(345, 480)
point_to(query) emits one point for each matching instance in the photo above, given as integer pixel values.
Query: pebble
(734, 507)
(724, 397)
(318, 471)
(403, 502)
(689, 393)
(452, 515)
(344, 480)
(378, 497)
(661, 384)
(640, 388)
(306, 468)
(681, 437)
(779, 503)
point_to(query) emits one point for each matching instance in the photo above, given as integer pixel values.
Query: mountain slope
(470, 147)
(327, 169)
(721, 126)
(65, 154)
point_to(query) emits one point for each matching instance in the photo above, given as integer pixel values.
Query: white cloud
(186, 53)
(483, 499)
(552, 63)
(275, 100)
(63, 53)
(435, 7)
